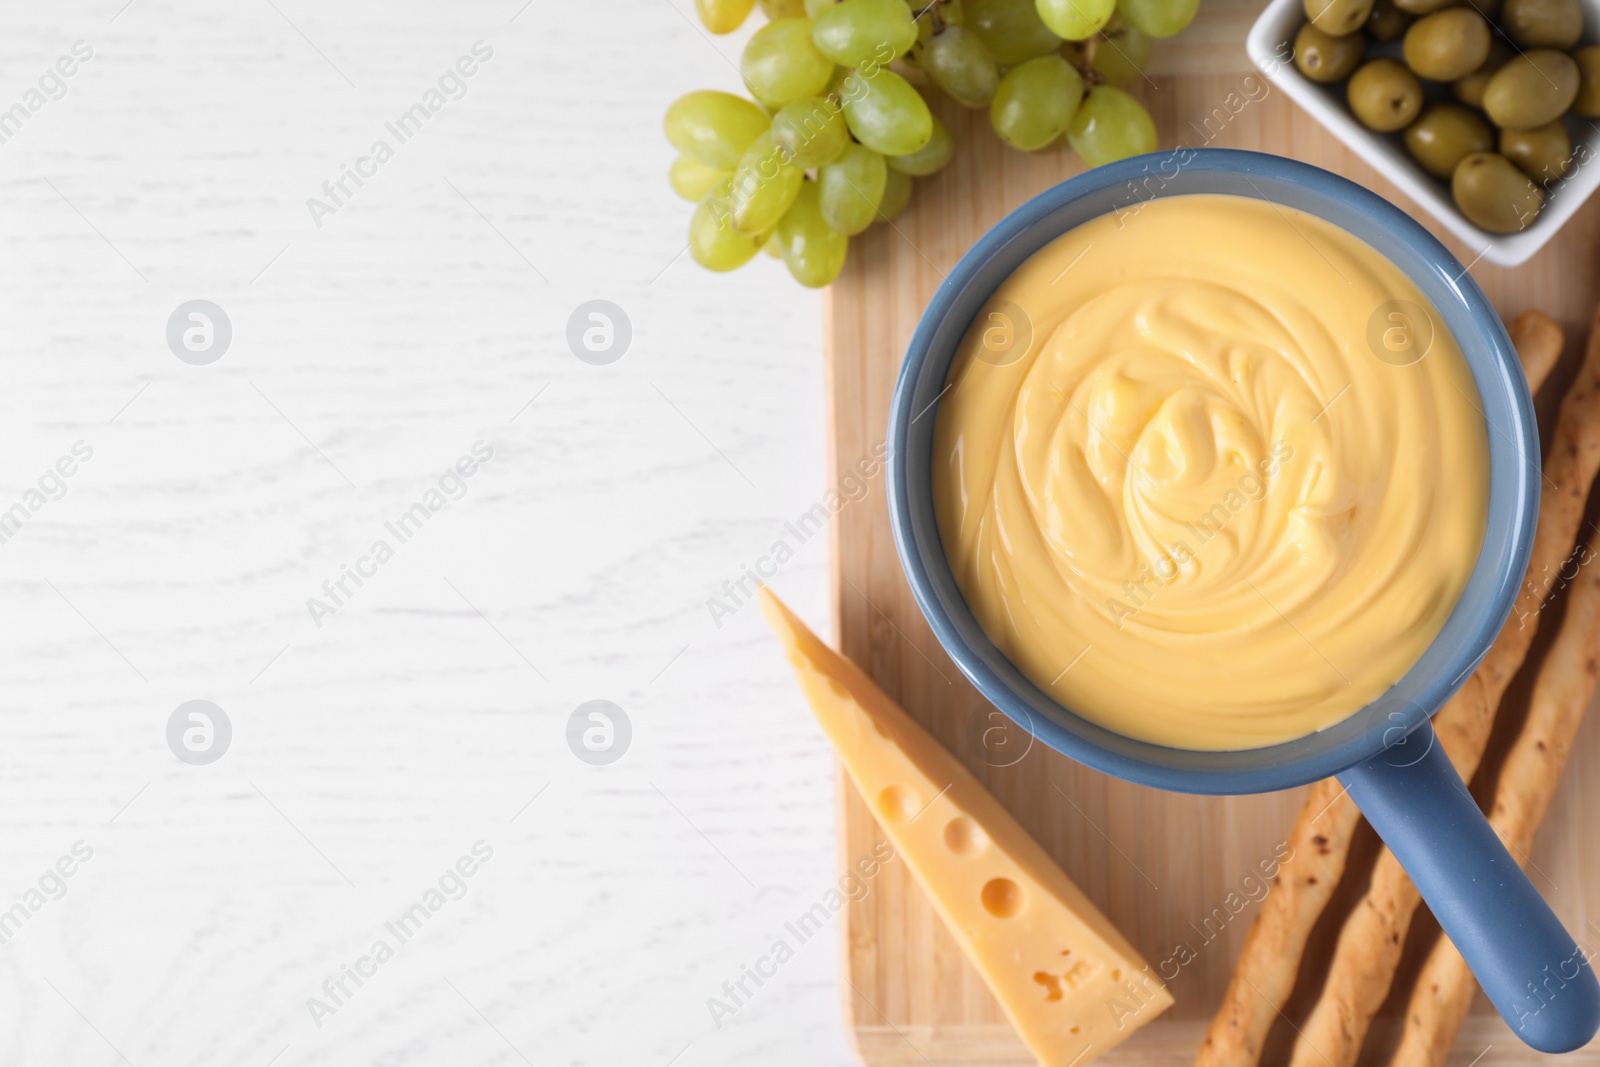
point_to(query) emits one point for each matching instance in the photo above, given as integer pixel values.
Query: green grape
(885, 113)
(1121, 54)
(857, 32)
(896, 195)
(817, 7)
(783, 9)
(850, 188)
(1076, 20)
(764, 185)
(714, 127)
(693, 180)
(723, 16)
(770, 246)
(812, 131)
(958, 62)
(1110, 125)
(1035, 101)
(1159, 18)
(1011, 29)
(781, 64)
(931, 157)
(813, 251)
(712, 241)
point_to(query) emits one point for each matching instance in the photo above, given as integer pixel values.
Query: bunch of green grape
(838, 127)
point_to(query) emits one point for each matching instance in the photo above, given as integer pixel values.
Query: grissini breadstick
(1538, 340)
(1528, 781)
(1264, 975)
(1373, 935)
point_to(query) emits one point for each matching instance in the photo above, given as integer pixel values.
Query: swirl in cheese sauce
(1209, 473)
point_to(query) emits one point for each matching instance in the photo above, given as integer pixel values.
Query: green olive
(1422, 7)
(1588, 102)
(1493, 194)
(1445, 135)
(1338, 17)
(1387, 22)
(1533, 89)
(1543, 154)
(1448, 44)
(1325, 58)
(1384, 95)
(1543, 23)
(1469, 90)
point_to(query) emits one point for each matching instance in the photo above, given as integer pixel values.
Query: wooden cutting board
(1161, 865)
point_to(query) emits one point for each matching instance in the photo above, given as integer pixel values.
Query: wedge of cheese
(1069, 981)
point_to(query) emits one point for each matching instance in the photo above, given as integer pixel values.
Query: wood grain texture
(411, 324)
(1161, 865)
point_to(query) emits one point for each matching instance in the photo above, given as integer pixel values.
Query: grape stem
(934, 8)
(1091, 77)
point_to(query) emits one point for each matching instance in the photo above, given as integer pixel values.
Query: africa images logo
(450, 886)
(352, 177)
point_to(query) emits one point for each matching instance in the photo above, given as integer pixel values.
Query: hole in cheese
(1057, 985)
(1002, 898)
(898, 802)
(964, 837)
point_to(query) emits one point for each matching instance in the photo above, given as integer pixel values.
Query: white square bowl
(1270, 46)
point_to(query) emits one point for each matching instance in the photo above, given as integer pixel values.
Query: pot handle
(1538, 978)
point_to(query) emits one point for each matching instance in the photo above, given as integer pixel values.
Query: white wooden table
(426, 313)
